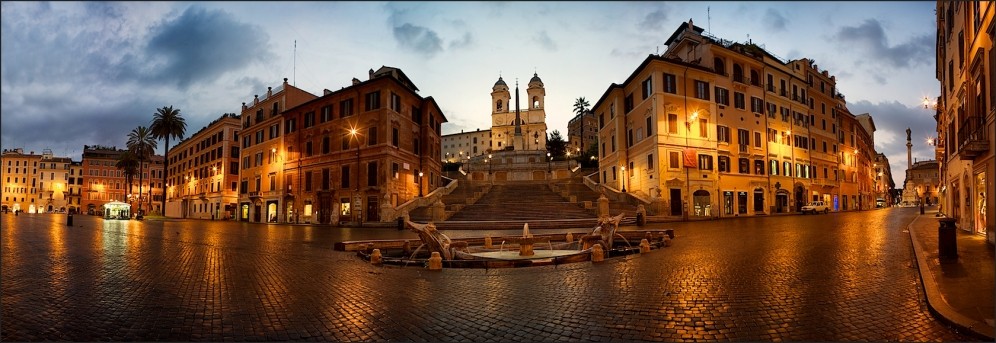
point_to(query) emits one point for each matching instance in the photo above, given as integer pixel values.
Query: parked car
(816, 206)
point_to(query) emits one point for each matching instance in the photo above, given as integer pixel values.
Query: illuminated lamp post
(624, 179)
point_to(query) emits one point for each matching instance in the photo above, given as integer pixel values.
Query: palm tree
(166, 123)
(581, 107)
(141, 143)
(128, 164)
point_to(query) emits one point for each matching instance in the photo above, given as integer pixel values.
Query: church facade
(518, 128)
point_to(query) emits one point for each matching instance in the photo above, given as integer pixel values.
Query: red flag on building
(690, 158)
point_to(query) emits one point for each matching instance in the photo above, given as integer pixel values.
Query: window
(719, 66)
(371, 101)
(670, 84)
(744, 166)
(723, 164)
(345, 108)
(722, 134)
(629, 138)
(648, 88)
(613, 143)
(291, 126)
(722, 96)
(650, 126)
(787, 168)
(601, 120)
(755, 79)
(650, 161)
(372, 174)
(326, 145)
(395, 102)
(395, 137)
(345, 177)
(309, 119)
(307, 181)
(701, 90)
(307, 149)
(672, 123)
(372, 136)
(759, 167)
(326, 113)
(273, 182)
(326, 179)
(345, 142)
(743, 138)
(703, 128)
(628, 103)
(739, 100)
(275, 130)
(738, 73)
(705, 162)
(773, 167)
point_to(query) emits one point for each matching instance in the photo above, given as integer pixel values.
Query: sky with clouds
(75, 73)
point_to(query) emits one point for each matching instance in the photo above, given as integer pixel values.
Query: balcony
(973, 138)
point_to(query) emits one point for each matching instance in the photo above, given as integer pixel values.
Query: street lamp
(489, 164)
(624, 179)
(548, 161)
(353, 132)
(420, 183)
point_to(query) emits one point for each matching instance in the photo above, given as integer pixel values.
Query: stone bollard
(69, 220)
(376, 258)
(603, 206)
(435, 261)
(644, 246)
(597, 255)
(488, 243)
(569, 238)
(407, 247)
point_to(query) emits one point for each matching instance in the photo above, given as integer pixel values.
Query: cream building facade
(966, 114)
(20, 188)
(53, 183)
(460, 147)
(204, 172)
(716, 128)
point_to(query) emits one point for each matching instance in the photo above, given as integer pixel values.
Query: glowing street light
(624, 179)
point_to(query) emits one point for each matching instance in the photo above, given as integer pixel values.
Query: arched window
(498, 108)
(719, 66)
(738, 73)
(755, 79)
(536, 103)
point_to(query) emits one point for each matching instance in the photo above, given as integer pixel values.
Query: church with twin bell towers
(515, 128)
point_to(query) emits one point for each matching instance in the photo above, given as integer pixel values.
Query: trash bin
(947, 243)
(401, 223)
(640, 219)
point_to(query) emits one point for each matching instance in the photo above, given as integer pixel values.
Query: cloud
(418, 39)
(891, 120)
(869, 38)
(653, 21)
(202, 45)
(466, 41)
(544, 41)
(774, 21)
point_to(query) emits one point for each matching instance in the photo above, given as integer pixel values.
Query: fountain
(533, 250)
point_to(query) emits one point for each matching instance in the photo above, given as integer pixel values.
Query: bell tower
(500, 97)
(536, 93)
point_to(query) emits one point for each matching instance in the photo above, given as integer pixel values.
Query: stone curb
(935, 300)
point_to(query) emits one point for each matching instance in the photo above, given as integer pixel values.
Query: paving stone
(842, 276)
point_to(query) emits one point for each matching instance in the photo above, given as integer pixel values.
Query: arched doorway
(781, 201)
(758, 200)
(271, 211)
(800, 197)
(702, 203)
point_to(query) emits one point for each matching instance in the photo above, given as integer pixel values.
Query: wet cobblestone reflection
(846, 276)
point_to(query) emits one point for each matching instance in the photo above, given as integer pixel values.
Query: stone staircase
(521, 201)
(467, 192)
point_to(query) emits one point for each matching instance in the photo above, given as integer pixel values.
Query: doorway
(675, 202)
(373, 215)
(758, 200)
(702, 203)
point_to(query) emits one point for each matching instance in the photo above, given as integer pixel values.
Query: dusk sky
(76, 73)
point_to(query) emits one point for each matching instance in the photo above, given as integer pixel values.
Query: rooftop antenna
(295, 63)
(658, 50)
(708, 19)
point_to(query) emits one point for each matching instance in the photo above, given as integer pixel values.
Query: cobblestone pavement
(842, 276)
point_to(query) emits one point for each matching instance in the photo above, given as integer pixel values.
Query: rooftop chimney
(356, 81)
(371, 72)
(327, 91)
